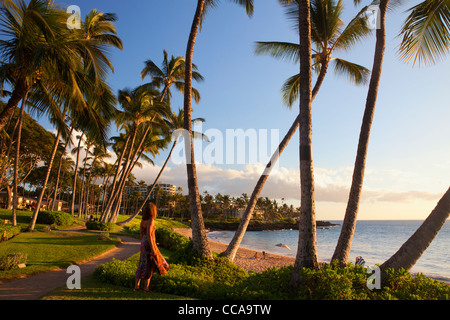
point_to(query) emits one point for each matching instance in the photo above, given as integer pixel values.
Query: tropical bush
(97, 225)
(220, 279)
(12, 261)
(8, 230)
(55, 218)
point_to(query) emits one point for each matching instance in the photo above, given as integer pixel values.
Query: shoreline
(244, 257)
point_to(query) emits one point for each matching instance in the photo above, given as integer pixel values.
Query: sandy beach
(244, 257)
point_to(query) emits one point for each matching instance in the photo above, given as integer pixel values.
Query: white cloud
(330, 185)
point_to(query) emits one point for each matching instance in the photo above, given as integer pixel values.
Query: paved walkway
(34, 287)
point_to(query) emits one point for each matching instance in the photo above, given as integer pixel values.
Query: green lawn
(52, 250)
(93, 289)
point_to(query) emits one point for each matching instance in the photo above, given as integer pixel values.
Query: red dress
(151, 260)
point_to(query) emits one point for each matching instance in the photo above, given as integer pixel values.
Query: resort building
(169, 188)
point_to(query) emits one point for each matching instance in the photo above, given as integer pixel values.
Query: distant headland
(262, 226)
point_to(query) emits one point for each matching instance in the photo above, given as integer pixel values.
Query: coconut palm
(172, 72)
(426, 40)
(329, 35)
(199, 239)
(175, 124)
(140, 109)
(343, 246)
(426, 32)
(40, 52)
(407, 256)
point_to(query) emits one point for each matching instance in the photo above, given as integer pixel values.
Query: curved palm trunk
(16, 162)
(199, 239)
(307, 251)
(59, 170)
(106, 210)
(74, 185)
(19, 92)
(47, 176)
(407, 256)
(124, 223)
(114, 197)
(233, 247)
(344, 244)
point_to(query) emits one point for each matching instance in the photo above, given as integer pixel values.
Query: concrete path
(34, 287)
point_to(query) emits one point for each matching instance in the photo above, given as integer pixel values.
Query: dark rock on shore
(263, 226)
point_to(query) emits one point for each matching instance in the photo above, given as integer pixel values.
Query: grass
(52, 250)
(93, 289)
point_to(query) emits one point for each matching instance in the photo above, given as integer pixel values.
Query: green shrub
(220, 279)
(169, 239)
(12, 261)
(97, 225)
(55, 217)
(8, 230)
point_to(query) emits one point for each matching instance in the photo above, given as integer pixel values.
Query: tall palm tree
(172, 72)
(328, 35)
(40, 52)
(426, 38)
(307, 251)
(140, 109)
(343, 246)
(175, 124)
(199, 239)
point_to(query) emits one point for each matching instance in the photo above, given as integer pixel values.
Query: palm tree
(175, 124)
(343, 246)
(40, 53)
(328, 35)
(426, 38)
(140, 109)
(407, 256)
(172, 72)
(307, 251)
(426, 32)
(199, 239)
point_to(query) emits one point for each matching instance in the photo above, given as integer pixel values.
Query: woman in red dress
(151, 259)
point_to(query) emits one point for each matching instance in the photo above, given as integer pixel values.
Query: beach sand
(244, 256)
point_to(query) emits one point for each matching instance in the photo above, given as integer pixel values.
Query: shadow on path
(34, 287)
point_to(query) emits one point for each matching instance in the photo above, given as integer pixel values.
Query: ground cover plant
(202, 278)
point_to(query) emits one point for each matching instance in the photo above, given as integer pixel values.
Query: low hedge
(8, 230)
(220, 279)
(97, 225)
(12, 261)
(55, 217)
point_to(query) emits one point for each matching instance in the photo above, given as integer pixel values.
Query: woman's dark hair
(149, 212)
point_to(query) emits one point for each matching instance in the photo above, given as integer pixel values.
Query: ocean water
(375, 241)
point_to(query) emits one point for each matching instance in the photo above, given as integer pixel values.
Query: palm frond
(426, 33)
(279, 50)
(356, 73)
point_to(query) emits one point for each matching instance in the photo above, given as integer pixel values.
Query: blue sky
(408, 165)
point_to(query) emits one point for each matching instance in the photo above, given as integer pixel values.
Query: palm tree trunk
(74, 184)
(106, 210)
(407, 256)
(59, 169)
(122, 180)
(199, 239)
(233, 247)
(124, 223)
(307, 251)
(19, 92)
(344, 244)
(47, 176)
(16, 162)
